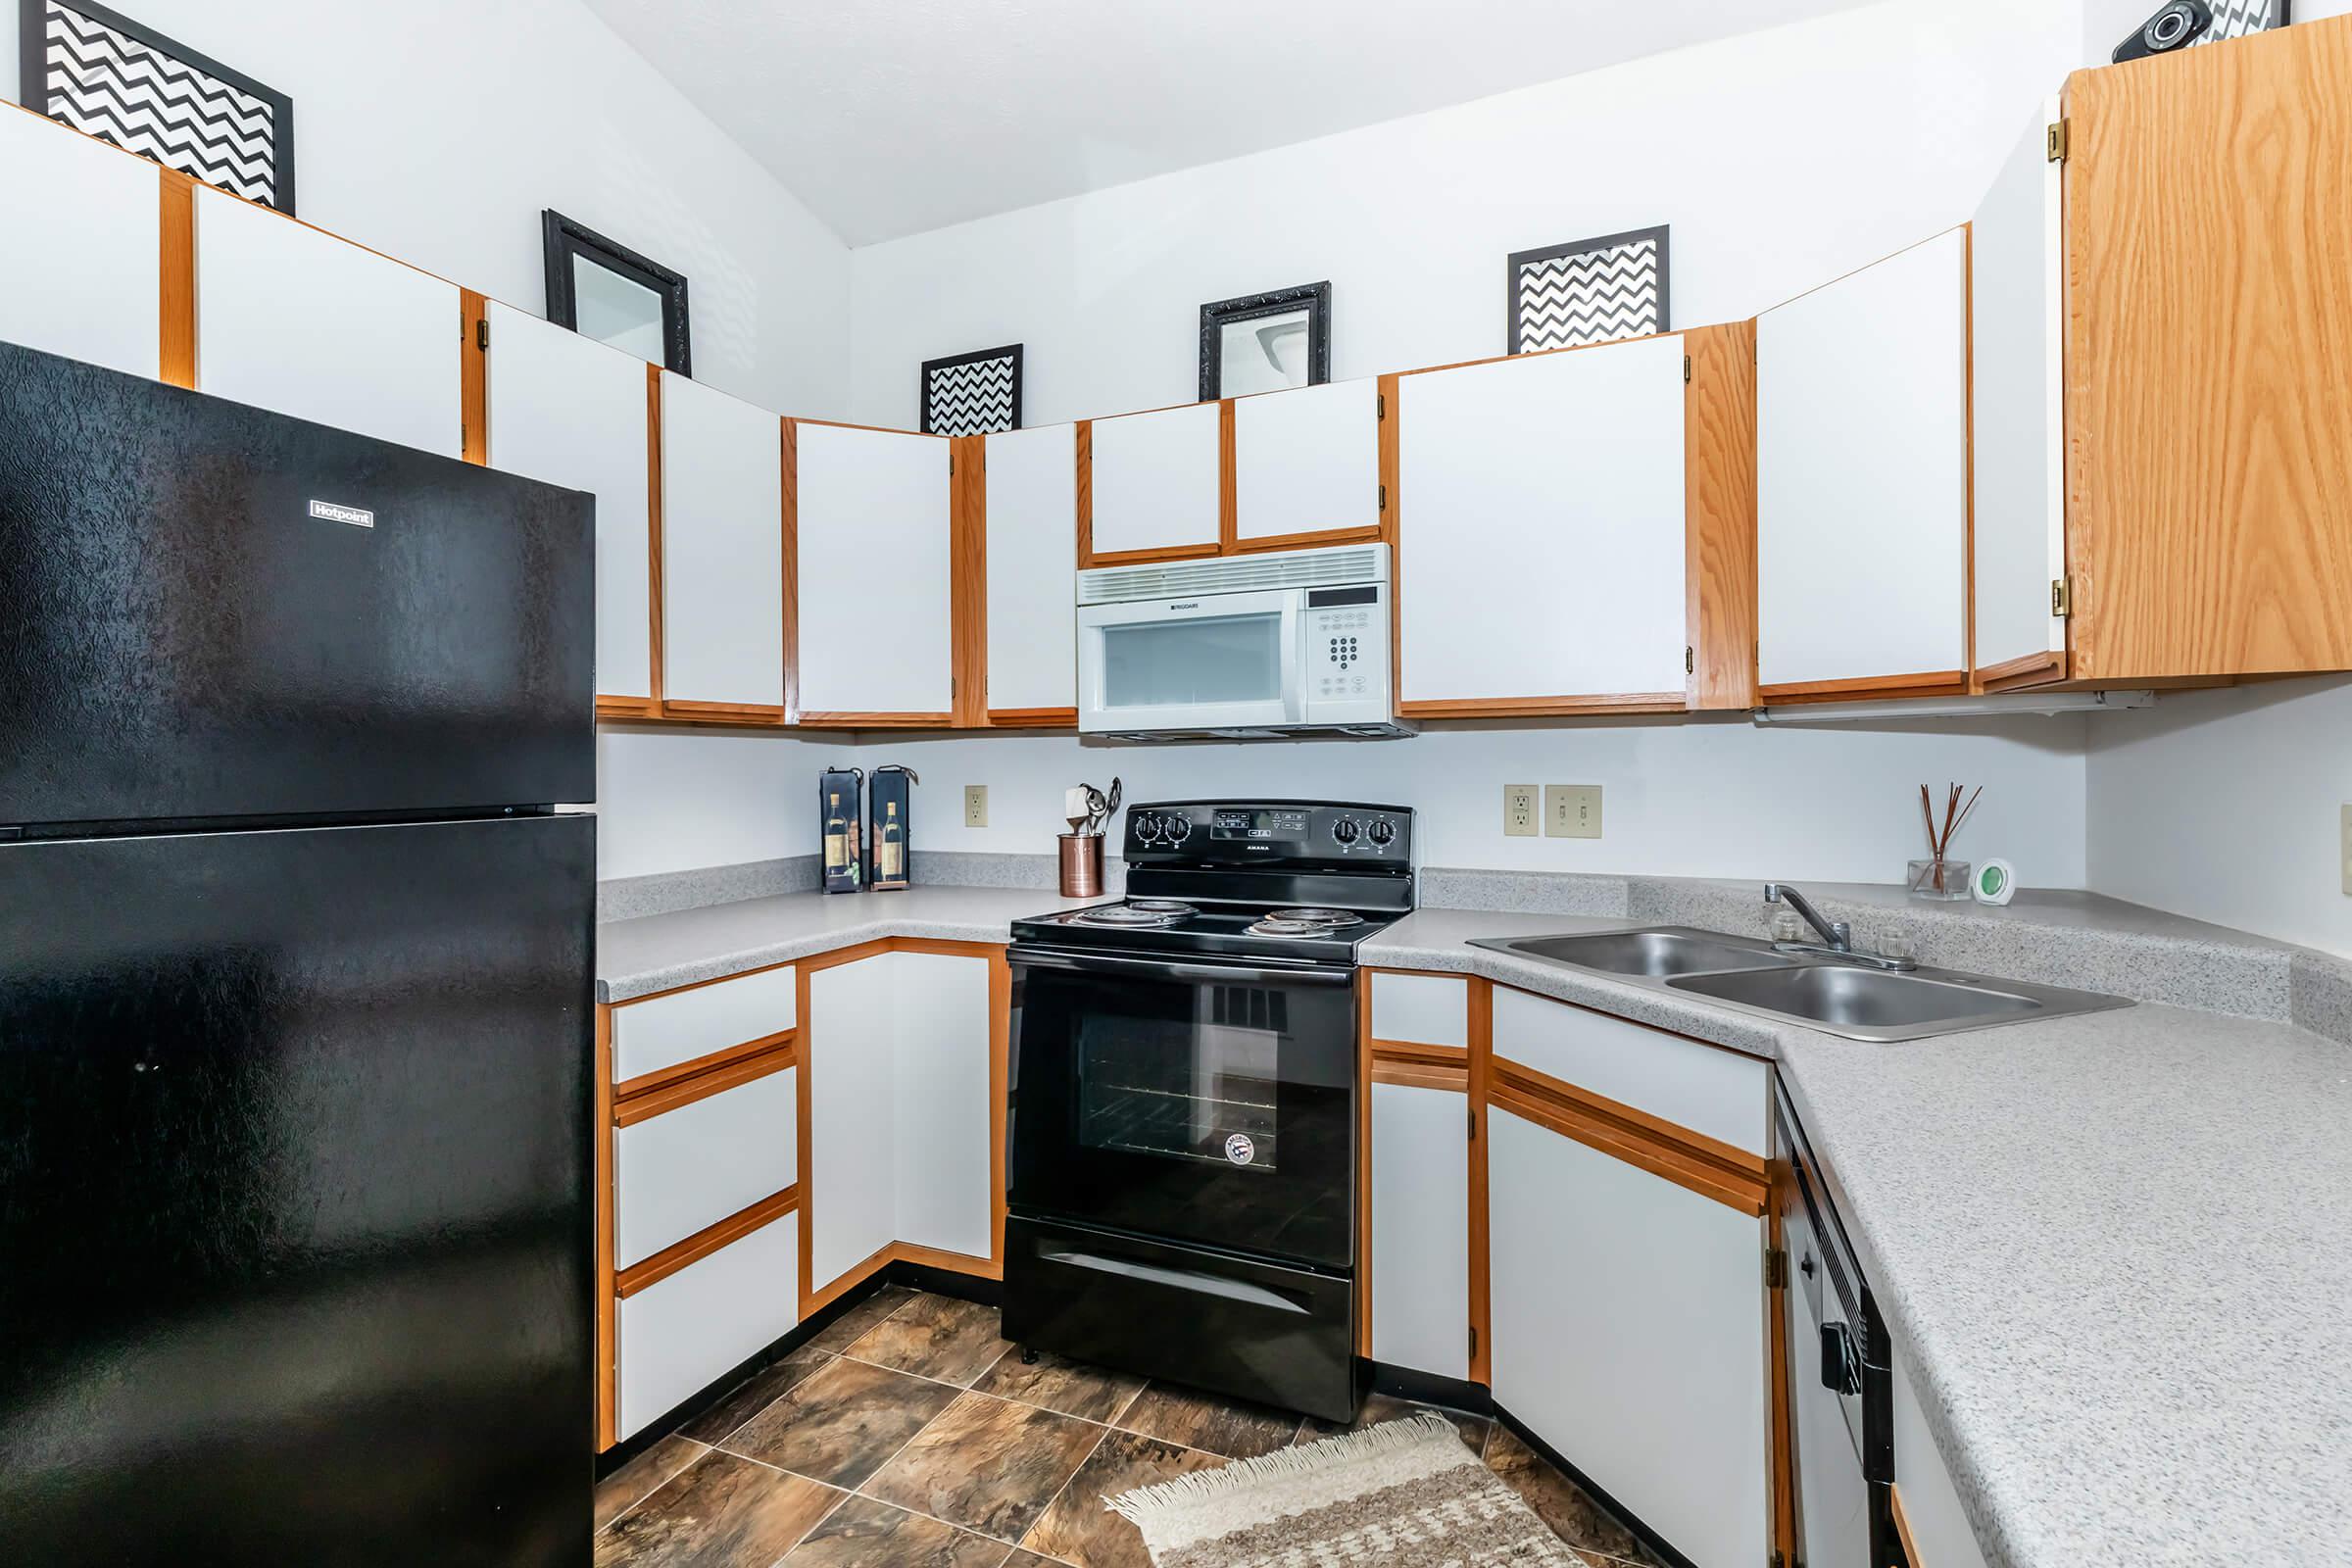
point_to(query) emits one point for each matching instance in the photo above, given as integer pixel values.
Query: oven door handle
(1162, 968)
(1183, 1279)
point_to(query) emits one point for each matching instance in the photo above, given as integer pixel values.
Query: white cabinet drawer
(1421, 1010)
(1703, 1088)
(661, 1032)
(681, 1332)
(687, 1169)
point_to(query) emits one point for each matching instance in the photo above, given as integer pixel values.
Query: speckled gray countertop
(659, 952)
(2112, 1248)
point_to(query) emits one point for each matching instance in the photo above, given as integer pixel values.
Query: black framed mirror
(604, 290)
(1266, 342)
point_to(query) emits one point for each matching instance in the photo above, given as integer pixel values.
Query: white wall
(436, 130)
(1698, 798)
(672, 799)
(2226, 804)
(1782, 159)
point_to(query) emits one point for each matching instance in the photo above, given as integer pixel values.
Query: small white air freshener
(1994, 882)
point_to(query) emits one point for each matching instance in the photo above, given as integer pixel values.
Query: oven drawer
(1235, 1326)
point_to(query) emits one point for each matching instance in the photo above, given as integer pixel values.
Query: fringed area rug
(1405, 1495)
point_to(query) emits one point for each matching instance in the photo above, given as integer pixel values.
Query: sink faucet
(1836, 934)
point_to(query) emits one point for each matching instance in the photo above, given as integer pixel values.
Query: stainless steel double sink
(1821, 990)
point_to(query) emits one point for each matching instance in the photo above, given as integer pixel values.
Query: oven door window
(1203, 1111)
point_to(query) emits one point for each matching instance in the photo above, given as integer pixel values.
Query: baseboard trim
(1427, 1388)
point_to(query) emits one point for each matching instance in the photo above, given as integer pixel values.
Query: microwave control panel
(1347, 636)
(1270, 831)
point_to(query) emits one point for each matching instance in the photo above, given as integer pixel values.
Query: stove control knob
(1147, 828)
(1344, 830)
(1384, 831)
(1177, 828)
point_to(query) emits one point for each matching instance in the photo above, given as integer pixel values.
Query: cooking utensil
(1074, 808)
(1094, 809)
(1118, 793)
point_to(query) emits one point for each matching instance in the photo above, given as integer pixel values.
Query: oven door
(1218, 660)
(1194, 1101)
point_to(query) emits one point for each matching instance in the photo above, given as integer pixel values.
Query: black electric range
(1185, 1101)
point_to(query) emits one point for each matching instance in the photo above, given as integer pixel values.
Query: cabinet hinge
(1473, 1338)
(950, 464)
(481, 334)
(1689, 659)
(1474, 1123)
(1384, 496)
(2062, 598)
(2057, 141)
(1776, 1560)
(1686, 369)
(1379, 405)
(1776, 1268)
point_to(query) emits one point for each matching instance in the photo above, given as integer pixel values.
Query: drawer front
(679, 1335)
(1703, 1088)
(663, 1031)
(1422, 1010)
(687, 1169)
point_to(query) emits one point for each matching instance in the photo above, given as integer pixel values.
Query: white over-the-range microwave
(1240, 646)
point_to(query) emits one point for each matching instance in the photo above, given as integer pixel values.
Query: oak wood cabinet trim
(1482, 1278)
(473, 377)
(1685, 1158)
(652, 537)
(175, 339)
(1422, 1075)
(1032, 717)
(967, 572)
(788, 454)
(761, 714)
(1735, 1160)
(2027, 669)
(713, 1061)
(702, 1243)
(1719, 501)
(1926, 683)
(1902, 1529)
(1363, 1168)
(1592, 705)
(683, 1091)
(607, 1357)
(1229, 484)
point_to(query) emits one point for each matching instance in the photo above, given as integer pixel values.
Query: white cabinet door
(1306, 460)
(1931, 1507)
(1420, 1229)
(2016, 280)
(876, 606)
(1862, 473)
(722, 547)
(82, 276)
(291, 319)
(1156, 479)
(1541, 526)
(569, 411)
(941, 1044)
(853, 1122)
(1628, 1334)
(1033, 568)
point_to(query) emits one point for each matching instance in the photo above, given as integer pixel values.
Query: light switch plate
(1522, 810)
(2344, 847)
(1572, 810)
(975, 806)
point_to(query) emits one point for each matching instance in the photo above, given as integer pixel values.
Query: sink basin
(1825, 991)
(1851, 999)
(1662, 952)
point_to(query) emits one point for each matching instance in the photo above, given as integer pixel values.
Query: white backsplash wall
(1710, 798)
(1782, 159)
(678, 800)
(2226, 805)
(435, 131)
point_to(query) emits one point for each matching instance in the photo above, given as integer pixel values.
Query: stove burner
(1141, 913)
(1270, 926)
(1315, 916)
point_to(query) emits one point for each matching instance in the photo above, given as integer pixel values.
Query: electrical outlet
(975, 806)
(2344, 844)
(1519, 811)
(1572, 810)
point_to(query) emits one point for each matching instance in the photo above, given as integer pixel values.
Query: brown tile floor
(910, 1434)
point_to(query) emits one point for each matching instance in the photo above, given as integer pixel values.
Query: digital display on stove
(1257, 824)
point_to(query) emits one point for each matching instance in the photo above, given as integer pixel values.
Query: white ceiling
(892, 117)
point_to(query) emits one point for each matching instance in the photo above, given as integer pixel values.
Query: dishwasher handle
(1841, 1361)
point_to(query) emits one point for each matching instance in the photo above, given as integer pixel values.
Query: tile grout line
(708, 1450)
(1101, 1438)
(1011, 1547)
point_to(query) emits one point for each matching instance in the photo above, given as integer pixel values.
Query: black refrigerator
(296, 991)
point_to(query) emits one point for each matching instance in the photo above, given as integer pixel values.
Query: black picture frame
(934, 425)
(1218, 314)
(1515, 273)
(113, 107)
(564, 238)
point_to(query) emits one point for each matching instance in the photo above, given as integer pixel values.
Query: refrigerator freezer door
(215, 611)
(295, 1235)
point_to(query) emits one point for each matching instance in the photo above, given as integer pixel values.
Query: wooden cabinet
(1307, 466)
(1573, 530)
(1927, 1512)
(722, 556)
(1031, 552)
(902, 1053)
(1627, 1251)
(1862, 481)
(568, 410)
(1155, 486)
(82, 274)
(873, 639)
(1420, 1198)
(290, 317)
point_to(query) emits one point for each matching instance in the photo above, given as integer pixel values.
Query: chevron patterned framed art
(973, 394)
(2235, 19)
(98, 72)
(1589, 291)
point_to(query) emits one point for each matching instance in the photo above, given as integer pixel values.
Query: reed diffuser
(1939, 876)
